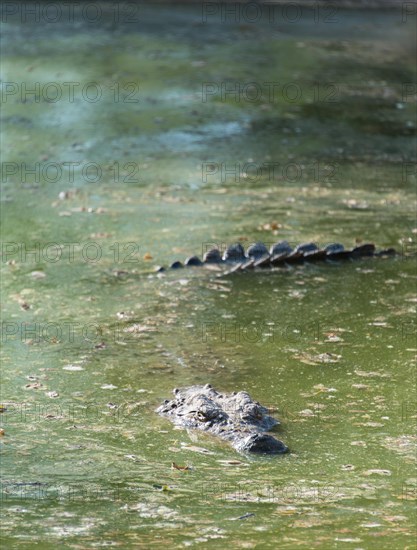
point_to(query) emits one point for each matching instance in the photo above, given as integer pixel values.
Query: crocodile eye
(257, 413)
(252, 412)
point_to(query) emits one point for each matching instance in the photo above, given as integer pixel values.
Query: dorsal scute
(334, 248)
(366, 249)
(234, 253)
(193, 260)
(282, 247)
(306, 248)
(212, 256)
(257, 250)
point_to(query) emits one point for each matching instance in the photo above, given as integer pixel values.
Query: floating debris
(245, 516)
(72, 367)
(37, 274)
(175, 466)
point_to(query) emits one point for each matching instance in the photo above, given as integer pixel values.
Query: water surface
(93, 340)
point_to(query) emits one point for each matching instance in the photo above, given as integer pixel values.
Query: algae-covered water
(135, 138)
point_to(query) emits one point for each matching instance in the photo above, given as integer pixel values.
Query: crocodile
(280, 254)
(234, 417)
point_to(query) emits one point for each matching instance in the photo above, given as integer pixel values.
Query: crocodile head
(234, 417)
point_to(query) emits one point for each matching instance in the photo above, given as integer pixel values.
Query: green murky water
(92, 340)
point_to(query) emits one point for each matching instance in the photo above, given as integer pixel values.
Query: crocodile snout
(263, 443)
